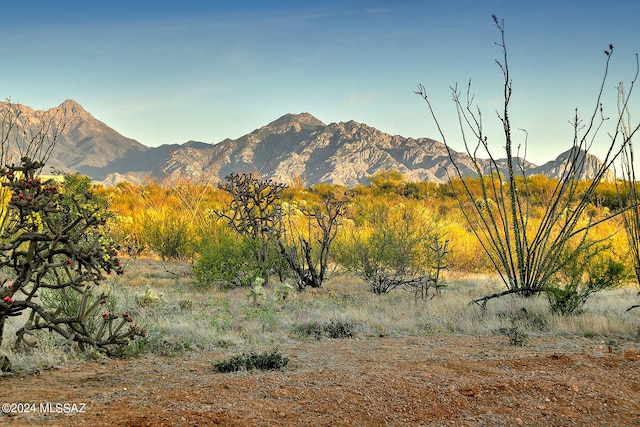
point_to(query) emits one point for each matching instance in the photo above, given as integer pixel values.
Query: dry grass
(185, 318)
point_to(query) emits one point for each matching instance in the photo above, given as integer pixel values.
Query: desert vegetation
(397, 266)
(248, 262)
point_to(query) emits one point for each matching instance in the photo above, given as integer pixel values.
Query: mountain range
(293, 147)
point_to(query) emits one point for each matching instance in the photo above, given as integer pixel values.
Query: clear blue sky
(169, 72)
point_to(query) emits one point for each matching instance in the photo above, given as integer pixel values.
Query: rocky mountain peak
(70, 109)
(586, 165)
(293, 122)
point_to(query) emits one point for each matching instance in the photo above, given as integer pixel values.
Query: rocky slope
(295, 146)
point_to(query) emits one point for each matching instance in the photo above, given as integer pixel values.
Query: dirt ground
(428, 381)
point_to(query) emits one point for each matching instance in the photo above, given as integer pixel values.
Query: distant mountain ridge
(294, 146)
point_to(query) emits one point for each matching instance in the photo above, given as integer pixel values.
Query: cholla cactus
(284, 291)
(51, 242)
(148, 298)
(257, 294)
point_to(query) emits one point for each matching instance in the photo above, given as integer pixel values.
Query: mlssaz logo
(63, 408)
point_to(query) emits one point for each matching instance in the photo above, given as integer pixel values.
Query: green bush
(391, 250)
(246, 362)
(167, 233)
(582, 278)
(227, 261)
(309, 329)
(340, 328)
(332, 328)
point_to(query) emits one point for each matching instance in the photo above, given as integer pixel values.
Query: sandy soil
(429, 381)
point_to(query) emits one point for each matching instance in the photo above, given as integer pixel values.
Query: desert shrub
(333, 328)
(582, 277)
(125, 230)
(339, 328)
(265, 361)
(309, 329)
(517, 336)
(167, 233)
(392, 249)
(307, 238)
(467, 254)
(227, 261)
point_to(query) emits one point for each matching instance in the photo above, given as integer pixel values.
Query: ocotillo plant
(528, 255)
